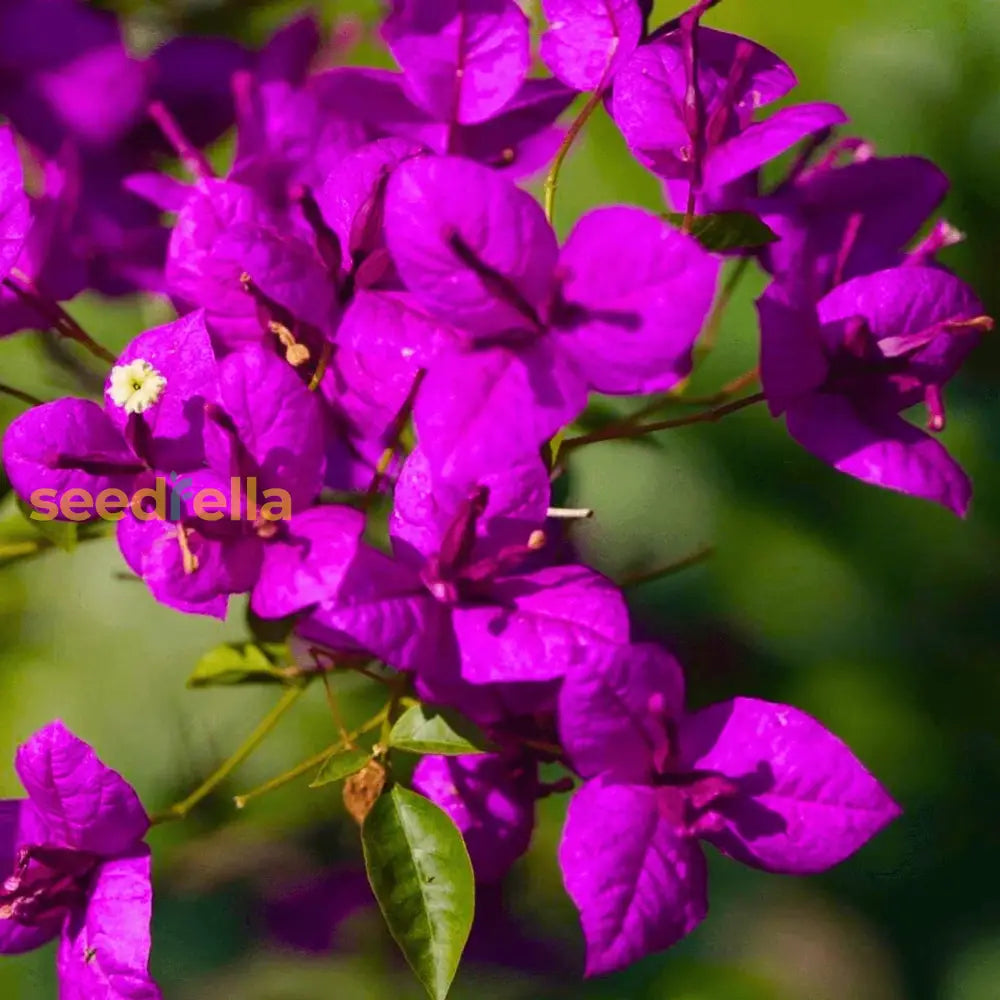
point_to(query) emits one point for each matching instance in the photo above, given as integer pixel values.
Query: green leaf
(239, 663)
(726, 230)
(422, 729)
(421, 875)
(61, 534)
(341, 765)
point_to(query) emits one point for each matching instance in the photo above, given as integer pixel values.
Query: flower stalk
(311, 763)
(181, 809)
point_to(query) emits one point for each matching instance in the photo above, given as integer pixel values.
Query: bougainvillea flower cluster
(378, 375)
(77, 869)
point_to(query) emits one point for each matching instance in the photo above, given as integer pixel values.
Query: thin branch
(58, 319)
(20, 395)
(722, 395)
(317, 760)
(180, 809)
(617, 431)
(575, 128)
(709, 338)
(661, 572)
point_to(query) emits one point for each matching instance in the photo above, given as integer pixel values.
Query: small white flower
(135, 387)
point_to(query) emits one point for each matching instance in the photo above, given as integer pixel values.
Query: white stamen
(135, 387)
(570, 513)
(950, 235)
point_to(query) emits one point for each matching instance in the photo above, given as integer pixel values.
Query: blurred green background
(874, 612)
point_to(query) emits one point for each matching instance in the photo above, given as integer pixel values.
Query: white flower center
(135, 387)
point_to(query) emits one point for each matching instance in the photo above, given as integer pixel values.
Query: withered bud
(361, 790)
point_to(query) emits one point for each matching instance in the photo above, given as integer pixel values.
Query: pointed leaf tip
(423, 729)
(341, 765)
(240, 663)
(722, 231)
(420, 872)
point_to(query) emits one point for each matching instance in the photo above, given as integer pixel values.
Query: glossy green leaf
(239, 663)
(422, 729)
(341, 765)
(726, 230)
(422, 877)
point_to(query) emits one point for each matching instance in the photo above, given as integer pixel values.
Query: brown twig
(661, 572)
(619, 430)
(20, 395)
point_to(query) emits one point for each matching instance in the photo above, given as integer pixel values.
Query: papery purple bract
(714, 140)
(763, 782)
(840, 222)
(72, 75)
(47, 269)
(536, 327)
(72, 89)
(519, 138)
(286, 135)
(370, 306)
(588, 41)
(463, 60)
(249, 420)
(876, 345)
(226, 232)
(74, 443)
(76, 867)
(264, 444)
(464, 595)
(14, 211)
(640, 886)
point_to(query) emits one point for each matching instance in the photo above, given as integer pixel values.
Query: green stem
(182, 808)
(723, 395)
(688, 221)
(650, 576)
(552, 180)
(69, 328)
(730, 389)
(324, 362)
(59, 320)
(334, 706)
(708, 339)
(620, 430)
(397, 691)
(371, 675)
(313, 762)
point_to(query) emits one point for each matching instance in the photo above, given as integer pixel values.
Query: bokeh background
(874, 612)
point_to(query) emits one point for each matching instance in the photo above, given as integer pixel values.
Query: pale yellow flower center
(135, 387)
